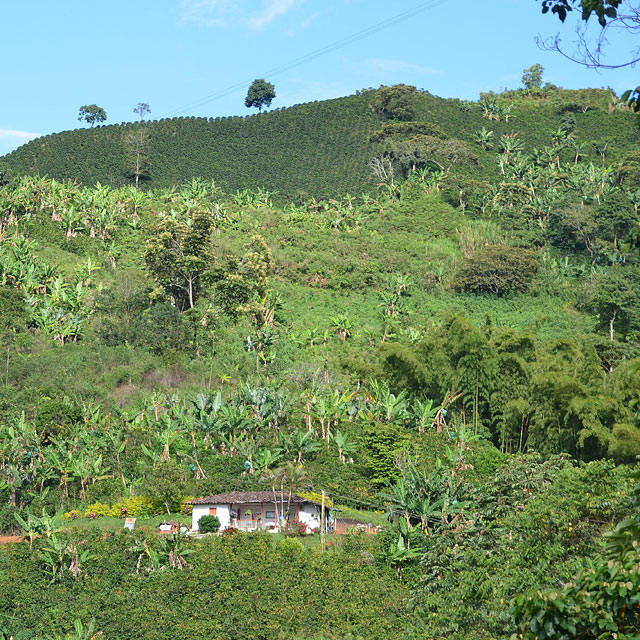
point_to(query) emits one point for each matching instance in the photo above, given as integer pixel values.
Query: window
(212, 511)
(270, 515)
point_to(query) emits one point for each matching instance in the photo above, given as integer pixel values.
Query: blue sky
(171, 54)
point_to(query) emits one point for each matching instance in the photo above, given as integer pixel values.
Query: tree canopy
(142, 109)
(92, 113)
(532, 77)
(260, 94)
(175, 255)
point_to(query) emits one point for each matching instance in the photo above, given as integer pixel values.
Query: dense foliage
(452, 355)
(320, 148)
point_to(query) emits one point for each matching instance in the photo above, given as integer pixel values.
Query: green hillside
(320, 148)
(452, 355)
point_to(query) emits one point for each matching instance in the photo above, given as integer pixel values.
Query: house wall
(222, 511)
(307, 513)
(310, 515)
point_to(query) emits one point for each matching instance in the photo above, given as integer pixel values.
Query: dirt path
(7, 539)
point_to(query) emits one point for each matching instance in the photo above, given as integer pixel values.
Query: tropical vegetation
(439, 332)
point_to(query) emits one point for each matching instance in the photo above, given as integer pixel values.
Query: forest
(427, 309)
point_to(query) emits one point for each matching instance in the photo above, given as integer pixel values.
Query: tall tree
(292, 477)
(532, 77)
(92, 113)
(136, 143)
(241, 282)
(176, 256)
(142, 108)
(260, 94)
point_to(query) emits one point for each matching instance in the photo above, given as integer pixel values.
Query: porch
(253, 525)
(250, 517)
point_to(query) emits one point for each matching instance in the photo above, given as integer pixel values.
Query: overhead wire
(338, 44)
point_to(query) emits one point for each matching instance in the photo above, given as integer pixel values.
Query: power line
(380, 26)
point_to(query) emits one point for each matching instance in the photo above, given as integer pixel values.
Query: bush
(295, 529)
(497, 269)
(209, 524)
(98, 510)
(138, 506)
(132, 507)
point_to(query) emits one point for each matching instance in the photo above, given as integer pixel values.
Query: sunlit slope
(319, 148)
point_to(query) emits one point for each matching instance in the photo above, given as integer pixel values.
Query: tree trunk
(191, 305)
(613, 319)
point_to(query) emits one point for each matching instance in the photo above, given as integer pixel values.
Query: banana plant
(399, 553)
(167, 440)
(346, 449)
(265, 459)
(206, 411)
(235, 419)
(72, 221)
(174, 548)
(80, 632)
(484, 137)
(342, 326)
(33, 525)
(87, 467)
(148, 559)
(246, 447)
(424, 414)
(386, 406)
(54, 555)
(298, 445)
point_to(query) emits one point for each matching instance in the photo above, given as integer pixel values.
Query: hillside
(318, 149)
(452, 355)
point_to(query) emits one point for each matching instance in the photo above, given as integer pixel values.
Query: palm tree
(292, 477)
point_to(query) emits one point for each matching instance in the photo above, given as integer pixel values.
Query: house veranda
(251, 510)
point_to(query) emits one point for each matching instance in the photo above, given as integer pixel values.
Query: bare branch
(590, 48)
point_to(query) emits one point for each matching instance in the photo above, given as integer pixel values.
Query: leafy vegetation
(320, 149)
(451, 354)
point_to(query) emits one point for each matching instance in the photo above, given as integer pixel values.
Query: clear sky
(174, 54)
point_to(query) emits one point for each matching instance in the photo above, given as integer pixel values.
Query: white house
(250, 510)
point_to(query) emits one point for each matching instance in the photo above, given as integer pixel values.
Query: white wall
(310, 515)
(199, 510)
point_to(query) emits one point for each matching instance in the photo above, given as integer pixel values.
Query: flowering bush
(294, 529)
